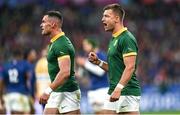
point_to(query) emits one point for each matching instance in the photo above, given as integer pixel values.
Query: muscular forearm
(126, 76)
(60, 79)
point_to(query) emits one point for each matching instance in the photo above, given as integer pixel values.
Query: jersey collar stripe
(119, 32)
(57, 36)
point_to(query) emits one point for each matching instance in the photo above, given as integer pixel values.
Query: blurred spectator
(98, 77)
(155, 24)
(15, 77)
(42, 79)
(30, 56)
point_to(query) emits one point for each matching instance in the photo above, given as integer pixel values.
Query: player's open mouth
(104, 24)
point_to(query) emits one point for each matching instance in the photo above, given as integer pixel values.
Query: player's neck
(117, 28)
(55, 32)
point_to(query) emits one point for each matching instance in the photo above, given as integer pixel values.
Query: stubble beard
(46, 33)
(109, 29)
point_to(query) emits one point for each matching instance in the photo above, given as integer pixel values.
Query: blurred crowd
(155, 24)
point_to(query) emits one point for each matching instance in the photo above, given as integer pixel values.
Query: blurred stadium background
(155, 23)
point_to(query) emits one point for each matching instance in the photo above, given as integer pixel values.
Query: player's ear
(53, 24)
(117, 18)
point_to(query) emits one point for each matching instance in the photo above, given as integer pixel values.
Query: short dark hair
(117, 9)
(56, 14)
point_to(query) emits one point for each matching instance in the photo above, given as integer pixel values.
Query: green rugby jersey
(122, 44)
(61, 47)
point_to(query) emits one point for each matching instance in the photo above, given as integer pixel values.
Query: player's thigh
(70, 102)
(110, 112)
(128, 104)
(48, 111)
(54, 100)
(75, 112)
(109, 107)
(17, 102)
(64, 101)
(129, 113)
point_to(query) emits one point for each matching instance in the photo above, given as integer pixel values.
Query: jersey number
(13, 75)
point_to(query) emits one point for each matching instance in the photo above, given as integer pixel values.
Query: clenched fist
(93, 58)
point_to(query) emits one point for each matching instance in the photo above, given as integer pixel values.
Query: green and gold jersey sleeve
(129, 46)
(61, 51)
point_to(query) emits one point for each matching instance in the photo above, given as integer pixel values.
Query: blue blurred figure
(98, 77)
(30, 55)
(15, 77)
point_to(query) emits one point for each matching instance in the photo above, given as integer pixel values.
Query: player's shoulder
(7, 64)
(61, 42)
(127, 37)
(62, 38)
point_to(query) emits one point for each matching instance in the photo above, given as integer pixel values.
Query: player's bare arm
(93, 58)
(129, 62)
(64, 73)
(61, 77)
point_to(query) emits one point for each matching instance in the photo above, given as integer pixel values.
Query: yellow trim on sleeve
(119, 32)
(62, 57)
(56, 37)
(129, 54)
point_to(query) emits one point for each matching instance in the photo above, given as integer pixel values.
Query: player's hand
(115, 94)
(44, 98)
(93, 58)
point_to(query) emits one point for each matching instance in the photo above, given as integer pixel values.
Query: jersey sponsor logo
(62, 53)
(63, 107)
(78, 96)
(123, 106)
(129, 49)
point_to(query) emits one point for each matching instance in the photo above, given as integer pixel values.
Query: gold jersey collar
(119, 32)
(56, 37)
